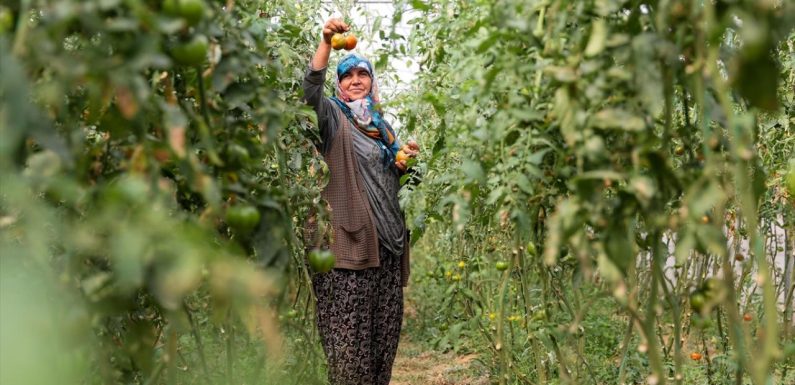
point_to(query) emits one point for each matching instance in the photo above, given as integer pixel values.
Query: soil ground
(414, 367)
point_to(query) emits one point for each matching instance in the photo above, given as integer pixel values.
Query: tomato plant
(145, 168)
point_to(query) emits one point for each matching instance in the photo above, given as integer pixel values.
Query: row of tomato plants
(618, 158)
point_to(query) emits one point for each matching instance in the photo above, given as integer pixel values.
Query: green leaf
(562, 74)
(420, 5)
(712, 239)
(495, 195)
(270, 241)
(128, 250)
(473, 171)
(487, 43)
(702, 197)
(620, 247)
(43, 165)
(560, 227)
(527, 115)
(685, 244)
(596, 42)
(757, 81)
(607, 269)
(644, 188)
(614, 118)
(524, 183)
(601, 175)
(538, 156)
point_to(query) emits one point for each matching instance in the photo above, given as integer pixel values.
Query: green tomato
(242, 218)
(192, 53)
(697, 301)
(127, 190)
(237, 156)
(170, 7)
(711, 288)
(501, 265)
(321, 261)
(531, 249)
(190, 10)
(6, 20)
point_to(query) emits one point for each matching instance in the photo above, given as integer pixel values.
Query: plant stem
(197, 337)
(156, 372)
(230, 351)
(499, 343)
(21, 34)
(655, 360)
(624, 351)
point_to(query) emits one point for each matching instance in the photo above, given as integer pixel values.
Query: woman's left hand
(411, 149)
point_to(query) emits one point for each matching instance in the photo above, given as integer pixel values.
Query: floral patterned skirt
(359, 316)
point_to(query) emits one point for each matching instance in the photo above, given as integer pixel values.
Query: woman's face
(356, 83)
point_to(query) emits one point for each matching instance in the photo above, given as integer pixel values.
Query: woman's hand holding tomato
(334, 26)
(408, 151)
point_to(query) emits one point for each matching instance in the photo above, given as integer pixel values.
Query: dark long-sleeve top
(382, 184)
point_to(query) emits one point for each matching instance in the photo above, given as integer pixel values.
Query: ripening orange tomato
(401, 156)
(350, 42)
(338, 41)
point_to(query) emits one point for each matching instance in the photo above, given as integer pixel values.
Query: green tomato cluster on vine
(190, 48)
(191, 11)
(704, 298)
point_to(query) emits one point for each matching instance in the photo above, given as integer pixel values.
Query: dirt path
(416, 367)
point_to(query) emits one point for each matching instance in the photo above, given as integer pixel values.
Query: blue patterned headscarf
(365, 113)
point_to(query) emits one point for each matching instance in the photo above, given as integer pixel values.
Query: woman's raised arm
(315, 79)
(316, 75)
(332, 26)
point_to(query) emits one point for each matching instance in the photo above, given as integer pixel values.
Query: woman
(359, 302)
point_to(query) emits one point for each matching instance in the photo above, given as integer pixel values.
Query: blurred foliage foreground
(153, 156)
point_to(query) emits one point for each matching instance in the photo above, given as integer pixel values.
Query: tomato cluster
(190, 47)
(191, 11)
(706, 296)
(340, 41)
